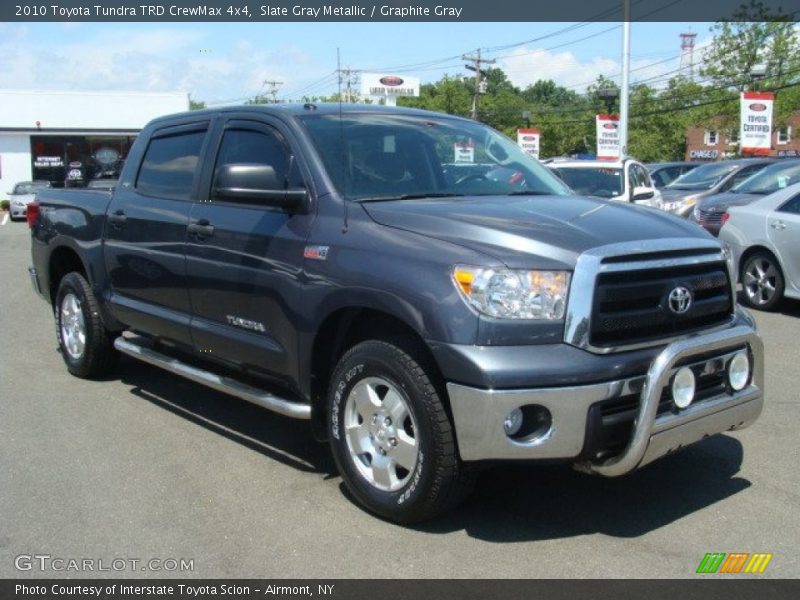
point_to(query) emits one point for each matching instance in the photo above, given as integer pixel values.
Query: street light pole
(626, 67)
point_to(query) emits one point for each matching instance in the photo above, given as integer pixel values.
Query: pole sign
(528, 140)
(608, 137)
(755, 133)
(388, 87)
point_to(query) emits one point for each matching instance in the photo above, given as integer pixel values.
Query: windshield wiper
(408, 197)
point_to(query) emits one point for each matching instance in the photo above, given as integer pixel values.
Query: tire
(407, 470)
(762, 281)
(86, 345)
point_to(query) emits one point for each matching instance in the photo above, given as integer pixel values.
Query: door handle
(117, 218)
(778, 225)
(201, 229)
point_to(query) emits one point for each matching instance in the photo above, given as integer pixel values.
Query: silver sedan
(765, 240)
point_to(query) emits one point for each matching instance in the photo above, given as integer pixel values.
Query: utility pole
(349, 78)
(626, 68)
(480, 84)
(274, 86)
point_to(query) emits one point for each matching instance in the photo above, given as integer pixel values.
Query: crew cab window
(257, 147)
(169, 164)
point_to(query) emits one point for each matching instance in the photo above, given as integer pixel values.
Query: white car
(764, 238)
(625, 180)
(23, 194)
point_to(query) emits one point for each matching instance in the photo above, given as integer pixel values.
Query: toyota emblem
(679, 300)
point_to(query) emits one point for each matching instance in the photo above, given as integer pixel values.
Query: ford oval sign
(610, 125)
(758, 107)
(391, 80)
(528, 138)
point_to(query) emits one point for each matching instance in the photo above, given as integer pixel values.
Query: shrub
(5, 204)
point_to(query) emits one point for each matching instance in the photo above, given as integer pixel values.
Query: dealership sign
(528, 140)
(608, 136)
(464, 152)
(388, 87)
(43, 162)
(755, 133)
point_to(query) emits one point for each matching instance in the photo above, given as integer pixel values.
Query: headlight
(689, 201)
(514, 294)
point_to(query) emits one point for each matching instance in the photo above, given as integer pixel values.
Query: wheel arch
(344, 328)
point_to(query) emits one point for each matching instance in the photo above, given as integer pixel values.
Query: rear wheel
(86, 345)
(390, 435)
(762, 281)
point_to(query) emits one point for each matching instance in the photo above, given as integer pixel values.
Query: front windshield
(604, 182)
(704, 177)
(373, 156)
(771, 179)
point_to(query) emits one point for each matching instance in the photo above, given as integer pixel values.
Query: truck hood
(554, 229)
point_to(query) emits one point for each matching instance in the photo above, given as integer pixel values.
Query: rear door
(245, 259)
(145, 232)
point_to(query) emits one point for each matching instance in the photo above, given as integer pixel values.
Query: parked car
(777, 176)
(764, 237)
(324, 262)
(665, 173)
(625, 180)
(23, 194)
(680, 196)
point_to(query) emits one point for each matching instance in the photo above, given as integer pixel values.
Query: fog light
(513, 422)
(739, 371)
(683, 385)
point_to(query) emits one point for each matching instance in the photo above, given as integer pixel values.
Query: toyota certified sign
(608, 137)
(755, 130)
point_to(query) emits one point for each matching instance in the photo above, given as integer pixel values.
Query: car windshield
(29, 187)
(605, 182)
(773, 178)
(704, 177)
(373, 157)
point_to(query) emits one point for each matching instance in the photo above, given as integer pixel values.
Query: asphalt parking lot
(147, 465)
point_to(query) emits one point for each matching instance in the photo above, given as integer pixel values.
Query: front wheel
(762, 281)
(390, 434)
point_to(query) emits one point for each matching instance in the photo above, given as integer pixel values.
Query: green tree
(196, 104)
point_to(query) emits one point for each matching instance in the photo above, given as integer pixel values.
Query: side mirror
(256, 183)
(642, 193)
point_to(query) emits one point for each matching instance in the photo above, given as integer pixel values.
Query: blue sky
(228, 62)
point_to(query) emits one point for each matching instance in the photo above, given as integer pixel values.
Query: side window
(169, 164)
(258, 147)
(791, 206)
(744, 174)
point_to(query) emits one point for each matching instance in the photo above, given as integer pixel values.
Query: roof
(321, 108)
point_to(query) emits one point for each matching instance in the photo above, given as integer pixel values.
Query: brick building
(715, 143)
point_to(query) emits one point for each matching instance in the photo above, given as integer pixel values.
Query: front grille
(708, 217)
(632, 306)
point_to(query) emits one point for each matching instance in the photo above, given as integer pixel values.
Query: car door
(244, 259)
(783, 228)
(145, 232)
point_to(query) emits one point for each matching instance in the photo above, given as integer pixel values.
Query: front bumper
(479, 413)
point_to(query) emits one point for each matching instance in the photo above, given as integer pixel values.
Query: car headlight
(514, 294)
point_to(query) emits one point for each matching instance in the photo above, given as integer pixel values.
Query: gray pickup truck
(337, 264)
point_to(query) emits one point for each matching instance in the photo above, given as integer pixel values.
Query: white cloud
(152, 59)
(526, 66)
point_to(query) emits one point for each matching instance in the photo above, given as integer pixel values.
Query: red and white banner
(755, 132)
(528, 140)
(608, 137)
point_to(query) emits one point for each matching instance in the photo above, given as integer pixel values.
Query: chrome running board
(225, 385)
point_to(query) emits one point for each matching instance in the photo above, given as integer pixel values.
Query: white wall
(15, 161)
(86, 110)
